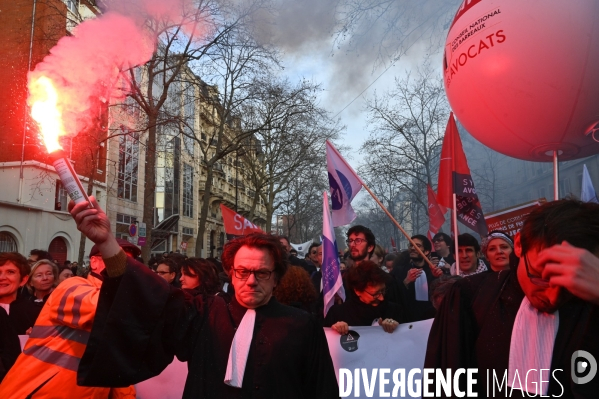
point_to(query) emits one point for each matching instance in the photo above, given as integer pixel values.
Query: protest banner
(381, 355)
(236, 225)
(512, 219)
(302, 249)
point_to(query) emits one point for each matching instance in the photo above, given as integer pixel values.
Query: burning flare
(44, 110)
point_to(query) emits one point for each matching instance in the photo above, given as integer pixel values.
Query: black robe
(473, 329)
(21, 318)
(23, 314)
(356, 313)
(10, 347)
(392, 290)
(418, 310)
(141, 323)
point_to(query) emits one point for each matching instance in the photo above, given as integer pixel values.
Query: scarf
(240, 348)
(421, 287)
(531, 347)
(479, 269)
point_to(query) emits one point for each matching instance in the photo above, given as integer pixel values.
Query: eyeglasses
(376, 295)
(536, 280)
(244, 274)
(356, 241)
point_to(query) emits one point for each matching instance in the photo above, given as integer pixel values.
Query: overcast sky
(306, 31)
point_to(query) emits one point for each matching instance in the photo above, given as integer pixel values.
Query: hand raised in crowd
(573, 268)
(389, 325)
(94, 223)
(341, 327)
(412, 275)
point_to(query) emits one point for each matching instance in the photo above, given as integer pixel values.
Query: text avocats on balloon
(522, 76)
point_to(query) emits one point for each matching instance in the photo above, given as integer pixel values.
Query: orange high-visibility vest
(47, 368)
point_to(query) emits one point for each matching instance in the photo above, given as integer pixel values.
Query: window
(122, 225)
(73, 5)
(168, 175)
(60, 197)
(128, 165)
(187, 190)
(130, 106)
(8, 242)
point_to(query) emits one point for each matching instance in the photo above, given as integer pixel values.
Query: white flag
(331, 275)
(302, 249)
(344, 183)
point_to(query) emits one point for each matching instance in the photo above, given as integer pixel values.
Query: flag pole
(426, 259)
(395, 222)
(454, 212)
(454, 218)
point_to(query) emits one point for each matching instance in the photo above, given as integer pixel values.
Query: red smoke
(86, 66)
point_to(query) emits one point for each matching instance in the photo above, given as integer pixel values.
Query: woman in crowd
(199, 276)
(498, 248)
(64, 274)
(369, 306)
(296, 289)
(378, 256)
(389, 261)
(42, 280)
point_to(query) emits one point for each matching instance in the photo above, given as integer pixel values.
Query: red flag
(454, 177)
(435, 214)
(393, 244)
(237, 225)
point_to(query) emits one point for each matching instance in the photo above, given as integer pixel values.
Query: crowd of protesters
(553, 262)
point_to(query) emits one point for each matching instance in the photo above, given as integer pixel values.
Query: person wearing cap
(498, 248)
(50, 359)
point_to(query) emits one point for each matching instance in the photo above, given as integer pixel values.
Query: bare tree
(238, 69)
(301, 203)
(155, 90)
(407, 124)
(292, 146)
(489, 182)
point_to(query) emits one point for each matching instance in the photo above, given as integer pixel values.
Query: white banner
(302, 249)
(377, 356)
(369, 349)
(167, 385)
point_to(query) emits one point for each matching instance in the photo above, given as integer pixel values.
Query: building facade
(33, 204)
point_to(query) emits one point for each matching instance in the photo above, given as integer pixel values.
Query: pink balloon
(523, 76)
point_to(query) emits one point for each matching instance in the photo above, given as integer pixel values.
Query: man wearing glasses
(361, 243)
(250, 347)
(368, 306)
(528, 326)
